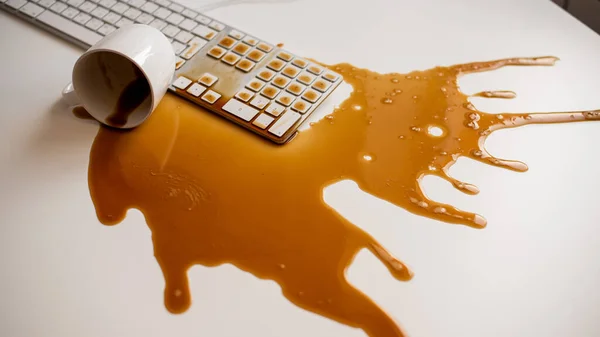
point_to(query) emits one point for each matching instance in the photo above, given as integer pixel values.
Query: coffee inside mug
(113, 89)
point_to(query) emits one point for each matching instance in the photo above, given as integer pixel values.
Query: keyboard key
(106, 29)
(265, 74)
(176, 7)
(119, 8)
(300, 63)
(69, 27)
(284, 123)
(16, 4)
(216, 52)
(275, 109)
(230, 58)
(241, 49)
(165, 3)
(136, 3)
(123, 22)
(75, 3)
(88, 6)
(256, 55)
(263, 121)
(301, 105)
(70, 12)
(46, 3)
(280, 81)
(250, 40)
(170, 30)
(276, 64)
(132, 13)
(203, 19)
(178, 47)
(317, 70)
(306, 78)
(255, 84)
(321, 85)
(107, 3)
(208, 79)
(191, 51)
(216, 26)
(179, 63)
(182, 82)
(149, 7)
(183, 36)
(296, 88)
(245, 65)
(331, 77)
(158, 24)
(205, 32)
(112, 18)
(285, 98)
(240, 109)
(227, 42)
(196, 89)
(264, 47)
(211, 96)
(145, 18)
(291, 71)
(198, 41)
(58, 7)
(94, 24)
(32, 9)
(244, 95)
(99, 12)
(311, 95)
(162, 13)
(189, 13)
(188, 24)
(259, 102)
(270, 91)
(175, 19)
(236, 34)
(287, 57)
(82, 18)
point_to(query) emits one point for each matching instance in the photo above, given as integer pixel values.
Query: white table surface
(534, 271)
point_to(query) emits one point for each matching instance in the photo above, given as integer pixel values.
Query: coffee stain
(213, 193)
(132, 96)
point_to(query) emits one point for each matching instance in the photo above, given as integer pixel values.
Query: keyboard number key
(265, 47)
(266, 74)
(256, 55)
(301, 105)
(296, 88)
(244, 95)
(331, 77)
(291, 71)
(255, 84)
(311, 95)
(250, 40)
(276, 64)
(230, 58)
(263, 121)
(285, 98)
(305, 78)
(315, 69)
(216, 52)
(275, 109)
(208, 79)
(236, 34)
(270, 91)
(321, 85)
(245, 65)
(259, 102)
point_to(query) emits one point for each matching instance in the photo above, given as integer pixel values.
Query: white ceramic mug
(121, 79)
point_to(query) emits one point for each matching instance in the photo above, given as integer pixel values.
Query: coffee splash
(212, 193)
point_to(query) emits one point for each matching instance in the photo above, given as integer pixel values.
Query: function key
(182, 82)
(276, 64)
(230, 58)
(256, 55)
(250, 40)
(285, 56)
(315, 69)
(265, 74)
(331, 77)
(263, 121)
(216, 52)
(208, 79)
(264, 47)
(300, 63)
(227, 42)
(291, 71)
(245, 65)
(236, 34)
(211, 96)
(255, 84)
(270, 91)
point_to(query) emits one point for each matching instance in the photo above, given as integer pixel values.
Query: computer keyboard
(251, 82)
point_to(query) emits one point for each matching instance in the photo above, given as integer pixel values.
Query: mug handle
(70, 96)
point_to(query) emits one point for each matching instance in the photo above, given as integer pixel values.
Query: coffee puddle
(212, 193)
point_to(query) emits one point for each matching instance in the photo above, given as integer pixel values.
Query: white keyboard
(251, 82)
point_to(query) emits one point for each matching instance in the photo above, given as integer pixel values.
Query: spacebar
(70, 28)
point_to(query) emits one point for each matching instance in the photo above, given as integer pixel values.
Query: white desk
(534, 271)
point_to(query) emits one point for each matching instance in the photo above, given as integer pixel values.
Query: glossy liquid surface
(213, 193)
